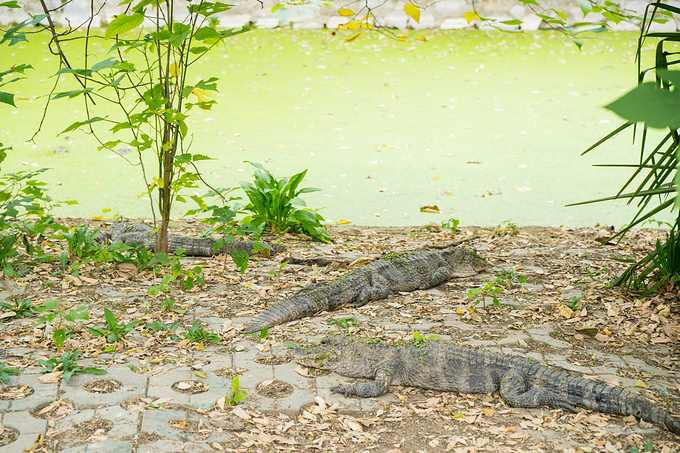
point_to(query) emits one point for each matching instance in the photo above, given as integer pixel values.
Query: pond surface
(488, 127)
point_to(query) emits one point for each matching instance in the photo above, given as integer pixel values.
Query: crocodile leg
(379, 386)
(379, 288)
(518, 393)
(439, 276)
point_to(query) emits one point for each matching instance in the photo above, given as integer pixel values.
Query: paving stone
(424, 326)
(160, 385)
(164, 446)
(28, 426)
(43, 393)
(291, 405)
(256, 373)
(455, 322)
(23, 442)
(133, 384)
(24, 422)
(219, 387)
(159, 422)
(110, 446)
(484, 344)
(217, 362)
(76, 449)
(397, 327)
(560, 362)
(73, 418)
(640, 366)
(124, 421)
(287, 373)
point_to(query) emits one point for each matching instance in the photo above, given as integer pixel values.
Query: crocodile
(446, 366)
(396, 271)
(135, 233)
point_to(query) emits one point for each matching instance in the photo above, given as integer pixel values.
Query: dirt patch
(230, 373)
(145, 437)
(15, 392)
(89, 431)
(190, 387)
(103, 386)
(275, 389)
(8, 435)
(53, 411)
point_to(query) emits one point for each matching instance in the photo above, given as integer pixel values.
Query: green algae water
(488, 127)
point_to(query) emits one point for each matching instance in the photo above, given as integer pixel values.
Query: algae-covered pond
(489, 127)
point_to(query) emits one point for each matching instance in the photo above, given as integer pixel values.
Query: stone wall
(443, 14)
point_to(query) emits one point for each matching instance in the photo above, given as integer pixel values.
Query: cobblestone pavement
(129, 427)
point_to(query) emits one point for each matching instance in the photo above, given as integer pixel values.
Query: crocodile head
(465, 261)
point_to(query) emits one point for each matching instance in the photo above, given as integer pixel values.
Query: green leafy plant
(658, 269)
(18, 308)
(50, 313)
(6, 372)
(186, 278)
(113, 331)
(196, 334)
(274, 204)
(510, 278)
(452, 224)
(81, 244)
(67, 364)
(649, 446)
(573, 303)
(275, 272)
(653, 184)
(159, 327)
(8, 251)
(236, 394)
(489, 289)
(507, 227)
(24, 207)
(591, 276)
(261, 335)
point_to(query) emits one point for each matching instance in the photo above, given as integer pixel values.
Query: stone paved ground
(149, 412)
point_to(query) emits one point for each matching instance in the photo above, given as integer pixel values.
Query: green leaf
(529, 2)
(71, 94)
(59, 336)
(123, 23)
(7, 98)
(12, 4)
(109, 62)
(206, 33)
(180, 32)
(13, 37)
(647, 103)
(585, 6)
(93, 370)
(208, 9)
(560, 13)
(78, 124)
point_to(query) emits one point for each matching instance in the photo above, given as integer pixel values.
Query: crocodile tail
(192, 246)
(606, 398)
(295, 307)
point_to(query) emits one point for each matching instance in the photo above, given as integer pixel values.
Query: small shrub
(274, 204)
